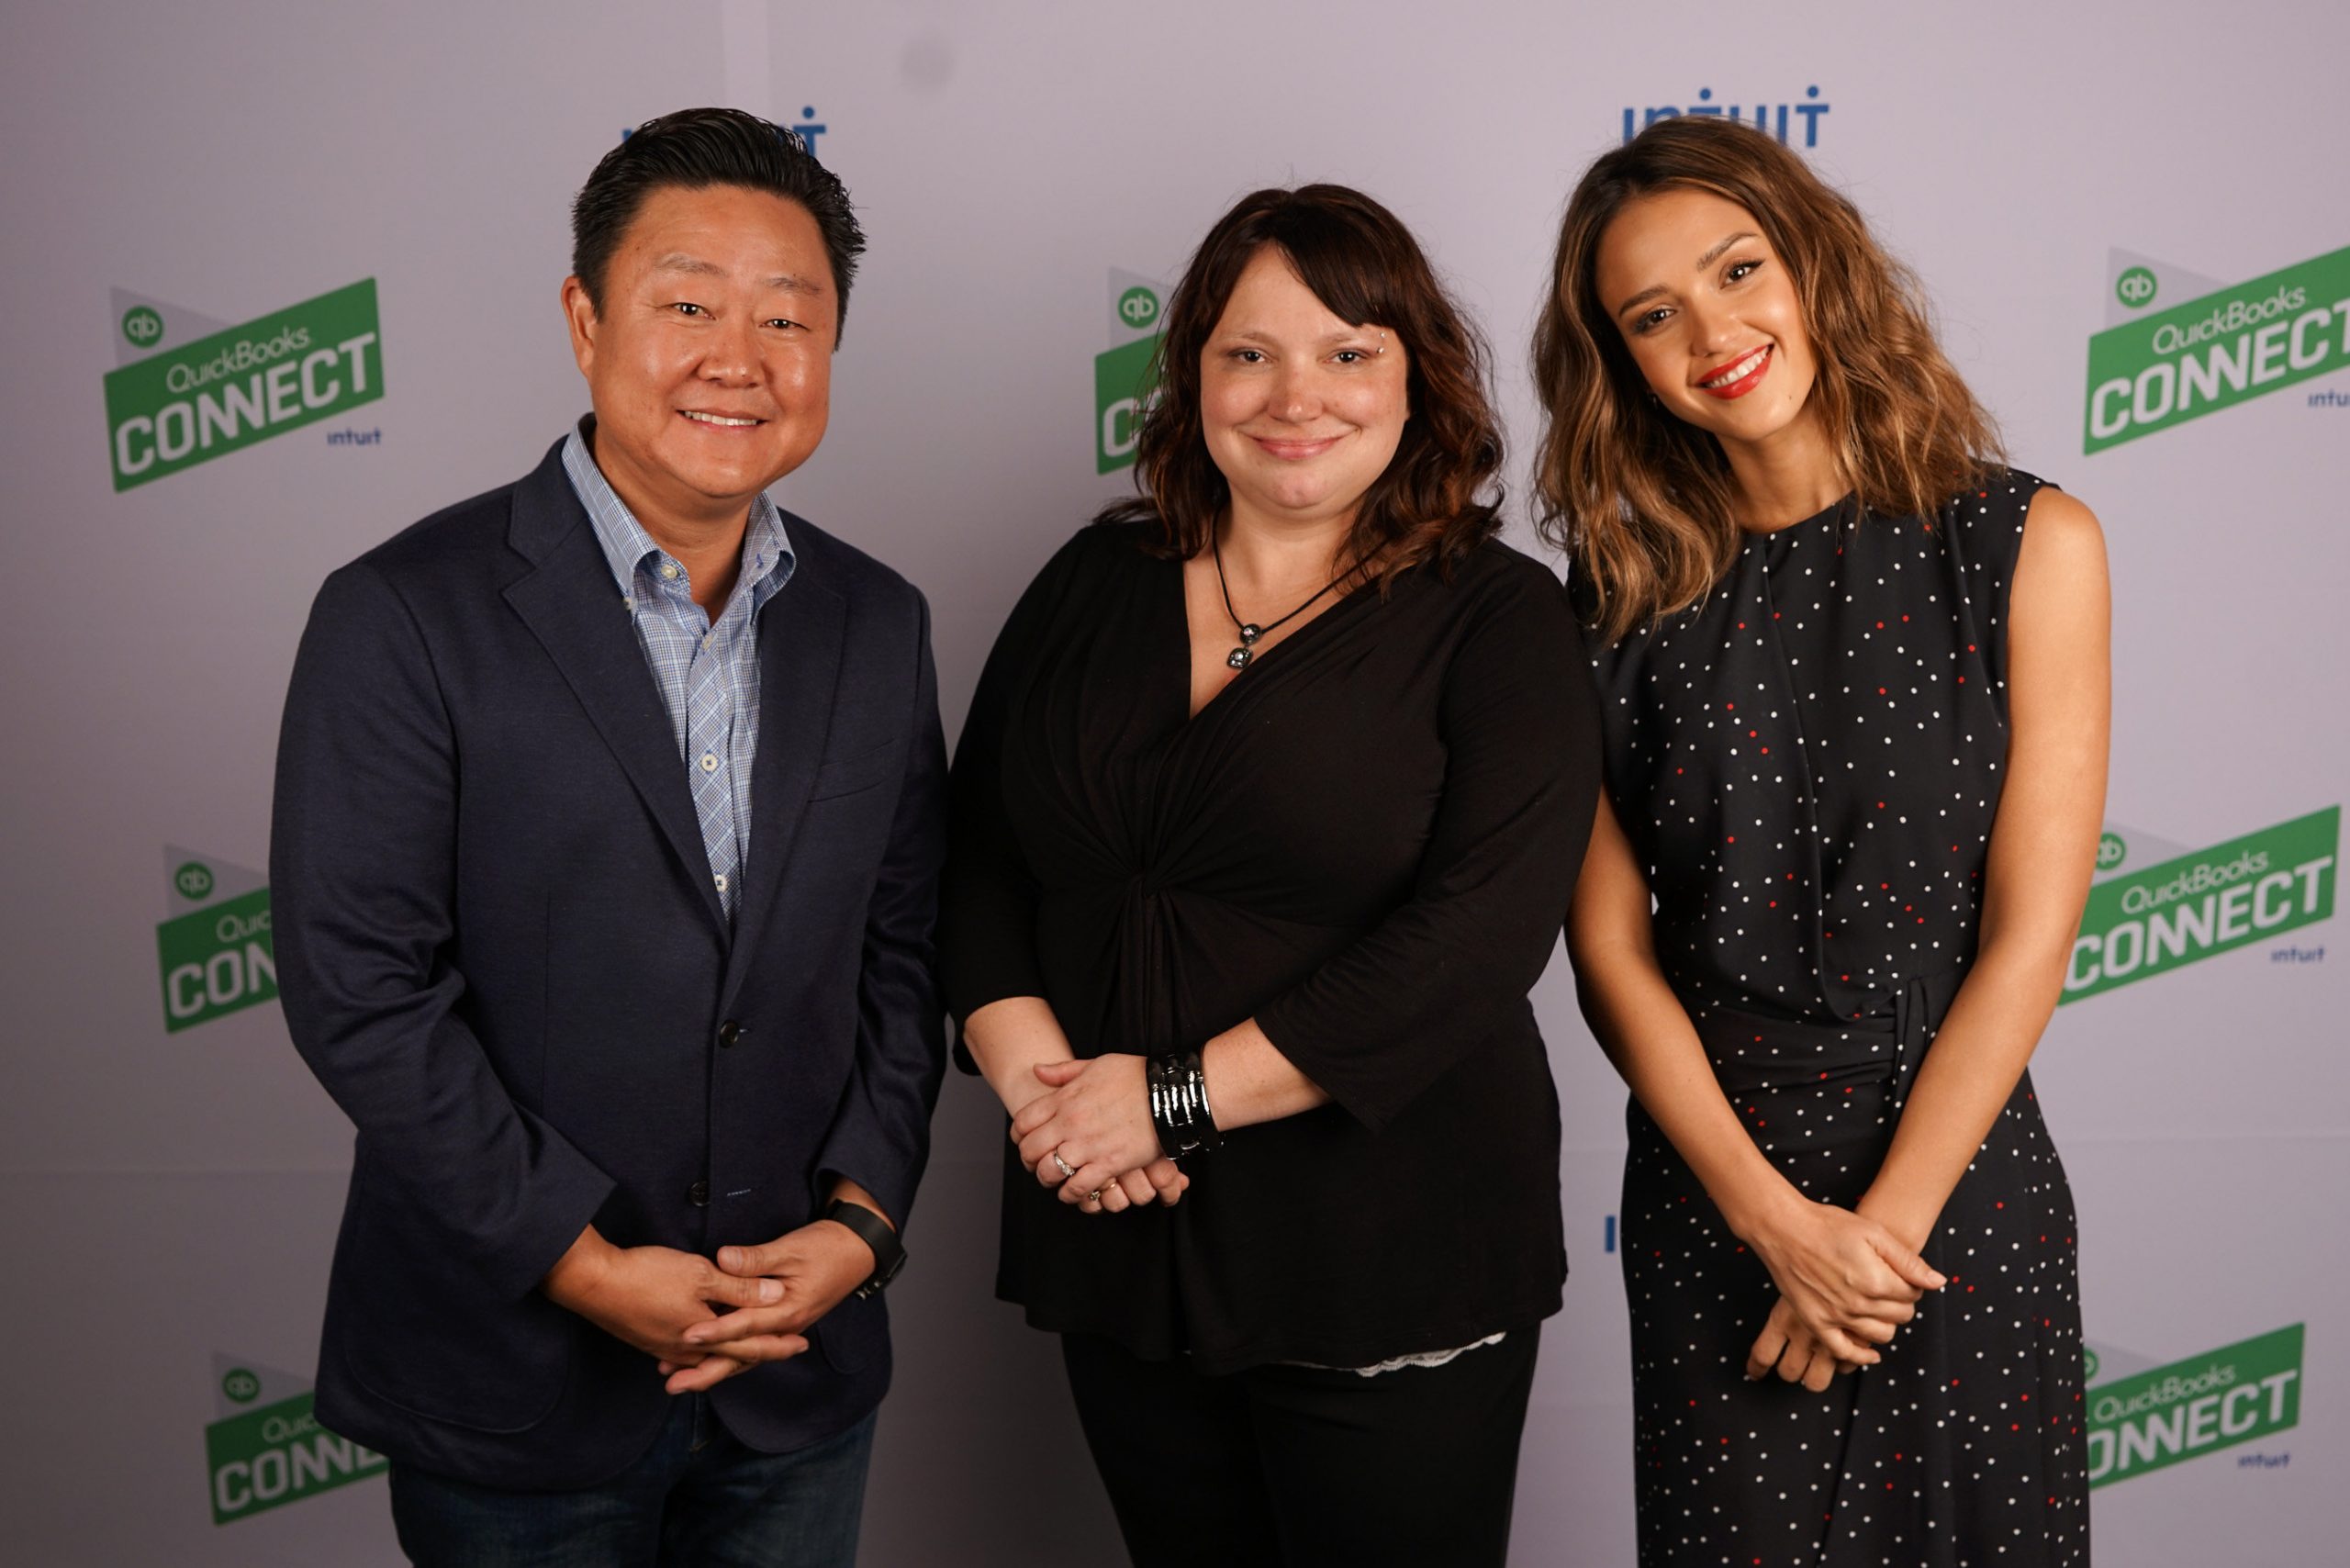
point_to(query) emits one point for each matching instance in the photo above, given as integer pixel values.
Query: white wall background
(167, 1196)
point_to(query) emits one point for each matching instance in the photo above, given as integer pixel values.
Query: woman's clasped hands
(1845, 1284)
(1091, 1136)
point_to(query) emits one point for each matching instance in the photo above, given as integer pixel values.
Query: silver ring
(1095, 1196)
(1067, 1170)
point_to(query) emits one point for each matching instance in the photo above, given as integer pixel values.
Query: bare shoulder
(2060, 535)
(2060, 572)
(2060, 608)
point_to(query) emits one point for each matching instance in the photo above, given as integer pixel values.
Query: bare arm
(1098, 1115)
(1843, 1280)
(1010, 1039)
(1642, 1028)
(1022, 1053)
(2044, 847)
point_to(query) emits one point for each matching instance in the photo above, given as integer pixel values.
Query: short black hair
(696, 149)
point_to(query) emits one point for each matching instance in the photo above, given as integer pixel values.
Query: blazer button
(729, 1032)
(698, 1194)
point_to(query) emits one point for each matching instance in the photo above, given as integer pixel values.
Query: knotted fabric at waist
(1751, 1052)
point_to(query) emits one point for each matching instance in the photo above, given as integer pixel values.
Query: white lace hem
(1423, 1359)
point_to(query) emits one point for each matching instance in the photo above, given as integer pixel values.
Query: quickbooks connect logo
(2219, 348)
(2192, 906)
(217, 952)
(1124, 379)
(264, 1449)
(2187, 1409)
(181, 406)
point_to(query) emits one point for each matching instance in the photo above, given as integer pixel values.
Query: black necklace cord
(1249, 630)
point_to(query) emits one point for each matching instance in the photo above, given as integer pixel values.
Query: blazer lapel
(799, 662)
(573, 607)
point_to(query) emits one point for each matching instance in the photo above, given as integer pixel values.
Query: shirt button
(720, 878)
(669, 570)
(698, 1194)
(729, 1032)
(709, 762)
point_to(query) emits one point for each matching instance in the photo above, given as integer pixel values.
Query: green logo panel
(2236, 1395)
(1122, 385)
(217, 960)
(2247, 890)
(2223, 349)
(278, 1454)
(277, 373)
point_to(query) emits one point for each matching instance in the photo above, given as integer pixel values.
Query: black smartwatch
(889, 1256)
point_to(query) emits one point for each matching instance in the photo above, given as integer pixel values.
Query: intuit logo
(2216, 348)
(1807, 112)
(176, 405)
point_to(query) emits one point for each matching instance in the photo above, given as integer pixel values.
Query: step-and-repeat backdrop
(284, 279)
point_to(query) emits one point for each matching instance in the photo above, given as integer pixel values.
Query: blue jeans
(697, 1498)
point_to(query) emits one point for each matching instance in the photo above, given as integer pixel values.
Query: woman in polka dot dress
(1853, 675)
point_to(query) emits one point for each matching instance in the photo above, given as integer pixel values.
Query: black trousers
(1293, 1467)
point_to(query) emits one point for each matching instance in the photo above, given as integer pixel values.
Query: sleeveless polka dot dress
(1808, 764)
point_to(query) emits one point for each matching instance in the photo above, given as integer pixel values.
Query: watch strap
(889, 1253)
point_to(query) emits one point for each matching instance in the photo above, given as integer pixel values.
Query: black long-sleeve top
(1367, 841)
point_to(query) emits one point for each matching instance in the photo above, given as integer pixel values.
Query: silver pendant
(1238, 658)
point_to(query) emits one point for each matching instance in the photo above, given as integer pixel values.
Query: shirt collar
(767, 558)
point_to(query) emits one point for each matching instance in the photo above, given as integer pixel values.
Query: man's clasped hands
(704, 1322)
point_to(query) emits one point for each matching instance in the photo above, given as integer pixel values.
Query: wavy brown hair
(1438, 497)
(1641, 502)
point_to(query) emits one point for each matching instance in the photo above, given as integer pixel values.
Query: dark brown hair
(1642, 501)
(1438, 499)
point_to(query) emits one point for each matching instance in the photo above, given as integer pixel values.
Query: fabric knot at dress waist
(1755, 1051)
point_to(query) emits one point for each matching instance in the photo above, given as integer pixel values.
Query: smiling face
(710, 363)
(1300, 410)
(1709, 315)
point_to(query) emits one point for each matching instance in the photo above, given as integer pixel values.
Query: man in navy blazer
(608, 829)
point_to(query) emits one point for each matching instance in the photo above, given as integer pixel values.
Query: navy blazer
(500, 950)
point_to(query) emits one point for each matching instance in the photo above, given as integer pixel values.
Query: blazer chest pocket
(850, 774)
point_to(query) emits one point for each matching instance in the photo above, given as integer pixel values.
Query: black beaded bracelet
(1179, 1105)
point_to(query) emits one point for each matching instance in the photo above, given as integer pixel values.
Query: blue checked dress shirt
(708, 675)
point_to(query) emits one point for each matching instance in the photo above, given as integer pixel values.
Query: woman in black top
(1853, 673)
(1289, 764)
